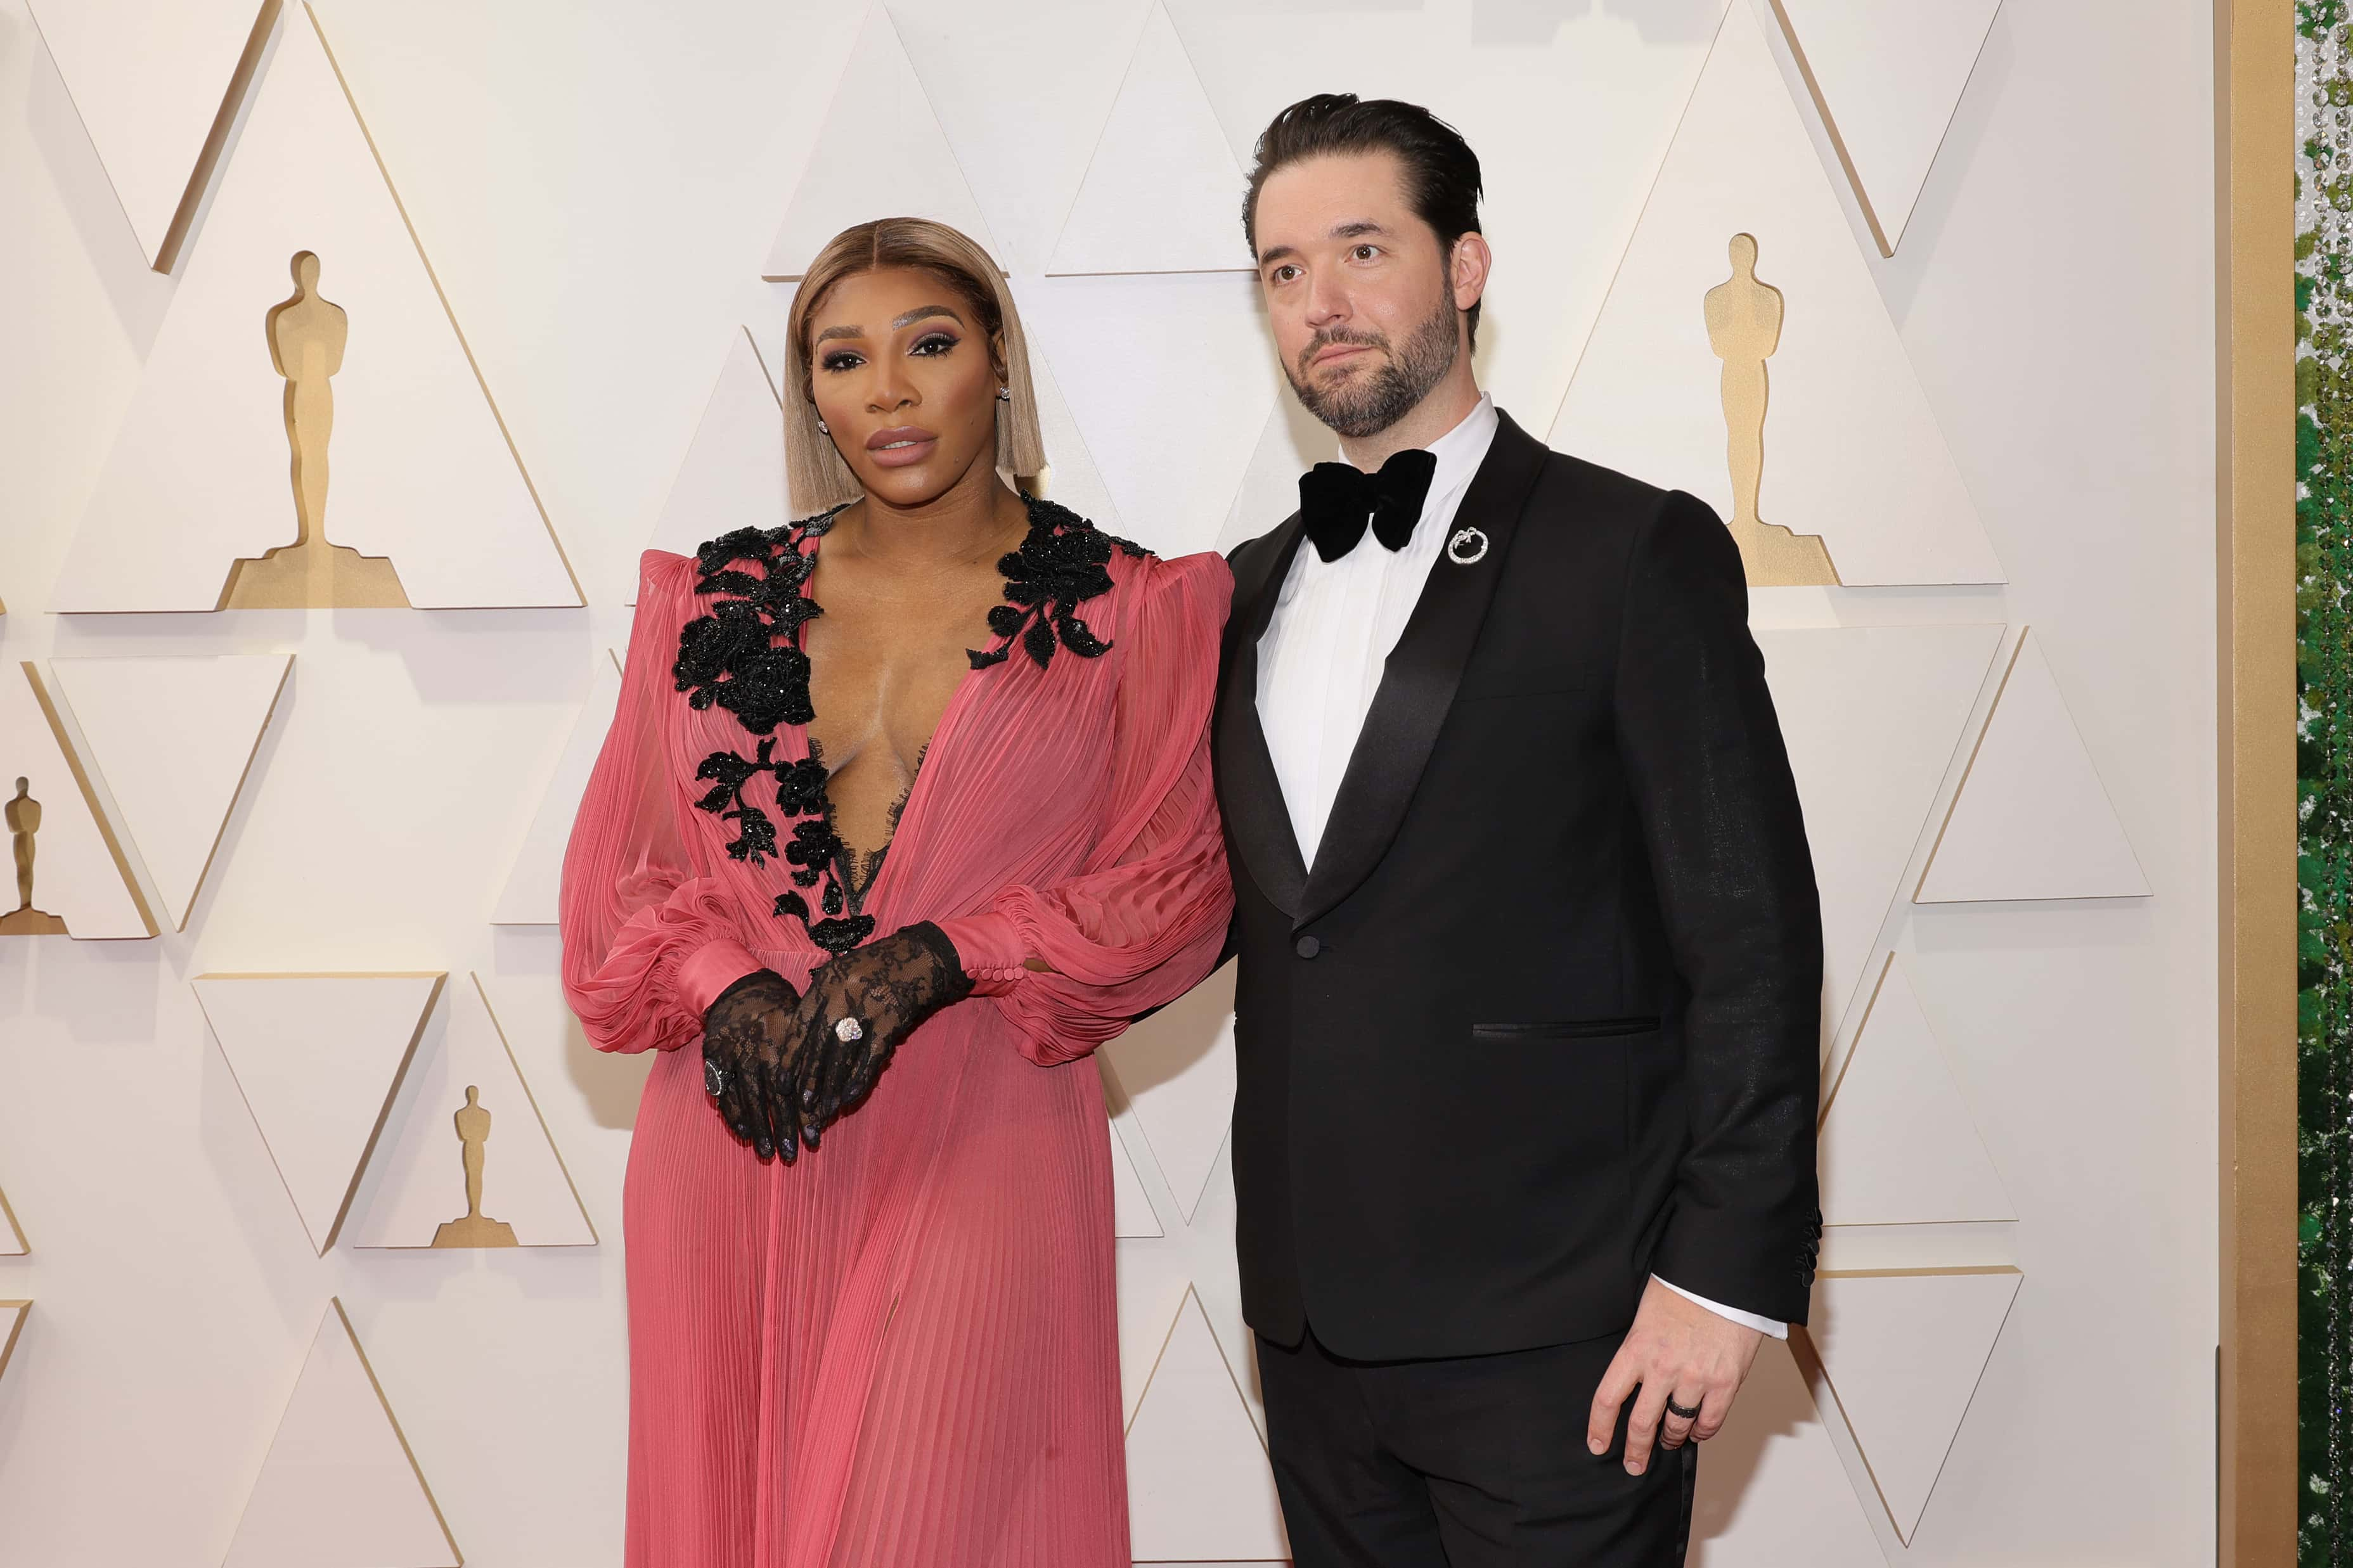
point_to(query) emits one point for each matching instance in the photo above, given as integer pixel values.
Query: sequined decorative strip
(2323, 457)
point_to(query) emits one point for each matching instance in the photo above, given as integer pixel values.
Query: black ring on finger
(1674, 1409)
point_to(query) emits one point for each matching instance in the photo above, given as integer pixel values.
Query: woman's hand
(751, 1061)
(857, 1009)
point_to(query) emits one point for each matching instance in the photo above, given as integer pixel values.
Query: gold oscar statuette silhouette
(1744, 328)
(307, 334)
(23, 815)
(474, 1228)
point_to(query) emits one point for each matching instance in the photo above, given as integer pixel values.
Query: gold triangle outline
(90, 801)
(384, 172)
(1811, 1363)
(229, 809)
(440, 979)
(375, 1385)
(20, 1310)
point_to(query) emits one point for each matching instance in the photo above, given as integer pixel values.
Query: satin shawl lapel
(1249, 792)
(1418, 681)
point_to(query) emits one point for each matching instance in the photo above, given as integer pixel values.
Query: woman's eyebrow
(917, 314)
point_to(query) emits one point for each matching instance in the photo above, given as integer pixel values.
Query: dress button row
(1307, 947)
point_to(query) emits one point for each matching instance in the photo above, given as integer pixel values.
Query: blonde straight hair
(814, 469)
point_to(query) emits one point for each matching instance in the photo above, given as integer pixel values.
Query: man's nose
(1326, 303)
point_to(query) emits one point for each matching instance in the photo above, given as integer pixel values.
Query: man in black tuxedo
(1530, 949)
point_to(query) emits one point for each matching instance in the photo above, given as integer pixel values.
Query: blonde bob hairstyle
(814, 469)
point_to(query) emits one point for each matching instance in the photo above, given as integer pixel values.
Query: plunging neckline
(748, 654)
(856, 894)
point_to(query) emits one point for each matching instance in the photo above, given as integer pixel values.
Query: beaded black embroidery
(730, 656)
(1059, 563)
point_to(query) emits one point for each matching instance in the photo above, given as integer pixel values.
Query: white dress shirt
(1325, 649)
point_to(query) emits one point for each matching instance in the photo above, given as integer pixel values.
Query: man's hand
(1677, 1347)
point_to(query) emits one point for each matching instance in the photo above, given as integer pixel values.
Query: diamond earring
(823, 428)
(1004, 394)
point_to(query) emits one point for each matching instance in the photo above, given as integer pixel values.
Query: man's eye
(934, 344)
(1285, 274)
(841, 359)
(1367, 252)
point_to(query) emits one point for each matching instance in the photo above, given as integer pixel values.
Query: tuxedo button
(1308, 947)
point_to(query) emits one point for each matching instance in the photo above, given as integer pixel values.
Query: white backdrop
(2005, 425)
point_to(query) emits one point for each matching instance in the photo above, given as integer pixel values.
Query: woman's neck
(972, 519)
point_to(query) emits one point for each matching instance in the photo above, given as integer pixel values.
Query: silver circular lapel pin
(1469, 544)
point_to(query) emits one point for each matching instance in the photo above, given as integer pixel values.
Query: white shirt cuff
(1765, 1326)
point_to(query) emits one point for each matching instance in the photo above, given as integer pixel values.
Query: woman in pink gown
(898, 1348)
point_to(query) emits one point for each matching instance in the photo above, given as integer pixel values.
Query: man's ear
(1467, 268)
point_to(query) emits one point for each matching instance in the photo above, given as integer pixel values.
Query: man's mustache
(1326, 338)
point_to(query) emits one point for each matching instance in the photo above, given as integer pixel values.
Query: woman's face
(905, 379)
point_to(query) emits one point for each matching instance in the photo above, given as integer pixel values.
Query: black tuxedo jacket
(1544, 1015)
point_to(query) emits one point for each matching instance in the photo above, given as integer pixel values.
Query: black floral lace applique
(730, 658)
(1059, 564)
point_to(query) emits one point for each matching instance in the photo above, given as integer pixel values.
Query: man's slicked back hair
(1441, 172)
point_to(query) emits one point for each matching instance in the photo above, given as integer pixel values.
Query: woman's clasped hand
(783, 1065)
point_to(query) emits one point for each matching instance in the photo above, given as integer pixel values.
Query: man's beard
(1366, 405)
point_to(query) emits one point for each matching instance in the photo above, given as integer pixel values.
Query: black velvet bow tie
(1337, 501)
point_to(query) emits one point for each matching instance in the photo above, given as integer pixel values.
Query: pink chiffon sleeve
(647, 944)
(1145, 917)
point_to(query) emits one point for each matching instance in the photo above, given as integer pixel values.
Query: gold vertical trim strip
(2255, 1427)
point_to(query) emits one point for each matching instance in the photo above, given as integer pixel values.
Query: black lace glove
(753, 1061)
(857, 1009)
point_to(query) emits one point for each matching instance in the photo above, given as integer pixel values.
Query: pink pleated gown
(901, 1351)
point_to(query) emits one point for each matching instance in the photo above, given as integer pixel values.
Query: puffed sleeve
(1142, 921)
(647, 944)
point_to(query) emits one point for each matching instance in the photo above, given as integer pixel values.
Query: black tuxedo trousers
(1544, 1016)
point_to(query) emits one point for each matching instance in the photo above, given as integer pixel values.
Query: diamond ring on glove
(714, 1078)
(850, 1030)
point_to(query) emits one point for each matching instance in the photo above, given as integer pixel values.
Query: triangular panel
(1873, 716)
(881, 127)
(734, 474)
(1770, 1487)
(81, 886)
(1198, 1484)
(1176, 1069)
(416, 1192)
(157, 87)
(1293, 443)
(1071, 478)
(1130, 1207)
(2031, 819)
(1195, 378)
(537, 874)
(1162, 192)
(1898, 1144)
(318, 1057)
(1903, 1352)
(1021, 88)
(12, 1324)
(1132, 1212)
(12, 1234)
(205, 713)
(1851, 451)
(1886, 76)
(421, 474)
(340, 1488)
